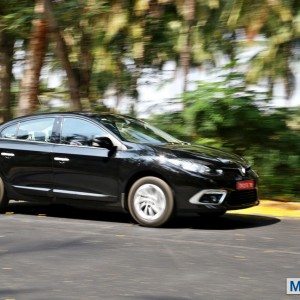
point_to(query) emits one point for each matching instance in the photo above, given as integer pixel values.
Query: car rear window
(9, 132)
(39, 130)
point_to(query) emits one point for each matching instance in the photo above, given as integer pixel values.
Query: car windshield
(136, 131)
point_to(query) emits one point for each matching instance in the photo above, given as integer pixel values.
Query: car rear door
(26, 156)
(81, 170)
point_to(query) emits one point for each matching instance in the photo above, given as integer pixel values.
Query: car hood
(203, 153)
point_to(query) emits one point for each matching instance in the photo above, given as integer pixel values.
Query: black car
(118, 162)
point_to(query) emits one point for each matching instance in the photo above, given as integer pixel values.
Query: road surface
(65, 253)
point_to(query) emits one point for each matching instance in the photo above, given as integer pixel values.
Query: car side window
(78, 132)
(9, 132)
(39, 130)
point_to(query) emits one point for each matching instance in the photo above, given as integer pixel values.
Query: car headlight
(190, 166)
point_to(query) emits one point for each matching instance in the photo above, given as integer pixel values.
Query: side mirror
(103, 142)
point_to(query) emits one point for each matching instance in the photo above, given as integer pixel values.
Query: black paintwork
(110, 173)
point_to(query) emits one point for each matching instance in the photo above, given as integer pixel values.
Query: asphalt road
(73, 254)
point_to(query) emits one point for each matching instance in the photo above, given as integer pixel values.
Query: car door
(26, 156)
(81, 169)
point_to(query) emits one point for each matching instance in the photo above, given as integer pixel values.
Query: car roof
(85, 114)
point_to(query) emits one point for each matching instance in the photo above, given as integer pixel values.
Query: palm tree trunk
(86, 64)
(29, 87)
(186, 52)
(289, 77)
(63, 55)
(134, 93)
(6, 62)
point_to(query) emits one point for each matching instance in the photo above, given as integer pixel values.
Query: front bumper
(230, 199)
(227, 200)
(190, 186)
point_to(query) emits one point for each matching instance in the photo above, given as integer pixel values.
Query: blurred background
(223, 73)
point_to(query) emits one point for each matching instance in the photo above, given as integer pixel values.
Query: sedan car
(118, 162)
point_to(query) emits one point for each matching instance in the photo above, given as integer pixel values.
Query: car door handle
(61, 159)
(7, 154)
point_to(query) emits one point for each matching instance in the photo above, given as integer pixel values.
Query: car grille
(237, 198)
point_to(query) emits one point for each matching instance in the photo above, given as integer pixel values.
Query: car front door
(26, 156)
(82, 170)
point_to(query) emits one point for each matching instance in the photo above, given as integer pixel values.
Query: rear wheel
(151, 201)
(3, 198)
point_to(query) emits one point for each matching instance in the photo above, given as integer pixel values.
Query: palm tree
(6, 62)
(62, 52)
(29, 87)
(188, 10)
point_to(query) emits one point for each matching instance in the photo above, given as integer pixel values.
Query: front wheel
(151, 201)
(3, 198)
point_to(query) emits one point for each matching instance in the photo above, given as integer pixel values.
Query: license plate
(245, 185)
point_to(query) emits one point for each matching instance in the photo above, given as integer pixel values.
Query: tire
(3, 198)
(151, 201)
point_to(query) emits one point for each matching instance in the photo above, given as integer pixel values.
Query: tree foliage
(101, 46)
(93, 39)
